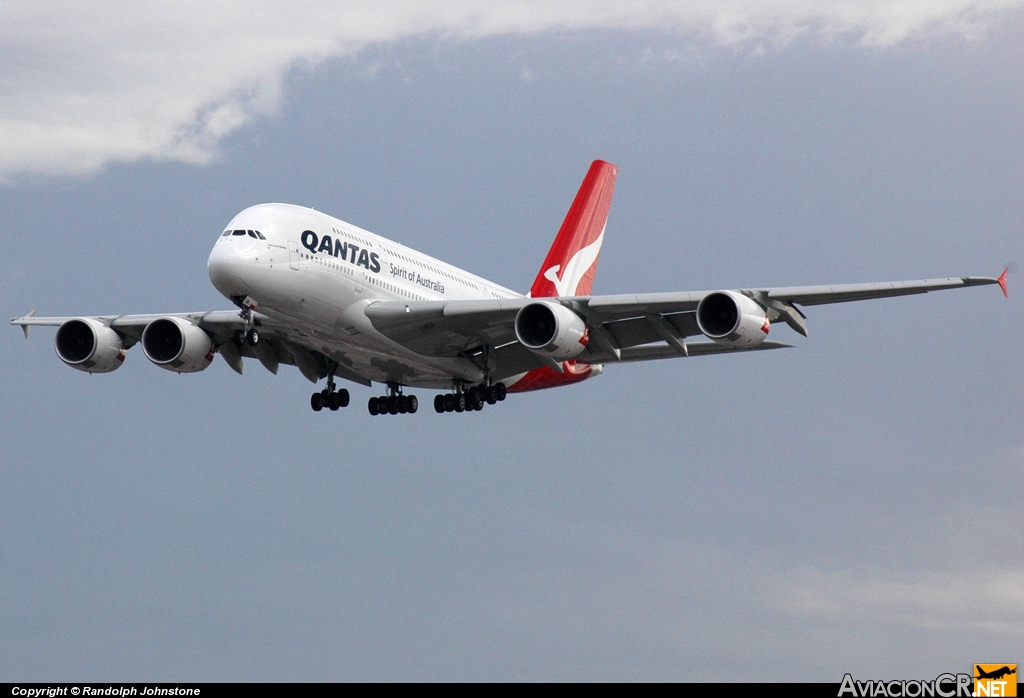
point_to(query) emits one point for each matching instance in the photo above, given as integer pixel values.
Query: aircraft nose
(225, 266)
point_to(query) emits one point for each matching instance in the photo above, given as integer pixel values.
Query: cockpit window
(251, 233)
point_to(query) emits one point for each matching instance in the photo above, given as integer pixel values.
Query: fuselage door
(360, 276)
(293, 255)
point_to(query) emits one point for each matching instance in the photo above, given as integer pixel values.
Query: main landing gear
(471, 400)
(329, 397)
(394, 402)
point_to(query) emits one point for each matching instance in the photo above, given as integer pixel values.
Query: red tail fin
(569, 268)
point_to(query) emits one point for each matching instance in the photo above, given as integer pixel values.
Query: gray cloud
(92, 83)
(977, 598)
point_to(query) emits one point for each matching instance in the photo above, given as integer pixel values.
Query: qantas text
(343, 250)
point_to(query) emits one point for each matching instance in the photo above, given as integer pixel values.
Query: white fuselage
(315, 274)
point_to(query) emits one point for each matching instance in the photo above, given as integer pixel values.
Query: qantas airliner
(337, 301)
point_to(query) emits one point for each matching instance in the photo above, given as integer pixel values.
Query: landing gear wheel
(403, 404)
(316, 402)
(414, 404)
(491, 395)
(439, 404)
(449, 403)
(460, 402)
(343, 398)
(393, 404)
(332, 402)
(500, 391)
(371, 405)
(252, 337)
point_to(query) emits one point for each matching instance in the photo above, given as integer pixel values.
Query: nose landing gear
(250, 335)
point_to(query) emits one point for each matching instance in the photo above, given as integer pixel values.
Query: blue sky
(847, 505)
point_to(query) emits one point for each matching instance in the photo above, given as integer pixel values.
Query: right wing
(633, 327)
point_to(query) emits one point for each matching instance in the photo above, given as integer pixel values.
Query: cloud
(88, 83)
(988, 598)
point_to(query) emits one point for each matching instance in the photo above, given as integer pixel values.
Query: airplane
(995, 674)
(337, 301)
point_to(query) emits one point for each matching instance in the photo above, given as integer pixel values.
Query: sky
(848, 505)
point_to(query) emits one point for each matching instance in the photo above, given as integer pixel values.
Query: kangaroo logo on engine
(346, 251)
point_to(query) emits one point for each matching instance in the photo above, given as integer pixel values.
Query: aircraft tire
(414, 404)
(372, 406)
(332, 402)
(500, 391)
(491, 395)
(316, 402)
(439, 403)
(403, 404)
(449, 403)
(343, 398)
(460, 402)
(252, 337)
(393, 404)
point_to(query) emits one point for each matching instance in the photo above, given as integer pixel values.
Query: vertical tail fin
(569, 268)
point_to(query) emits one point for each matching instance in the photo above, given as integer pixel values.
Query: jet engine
(552, 330)
(732, 319)
(177, 345)
(89, 346)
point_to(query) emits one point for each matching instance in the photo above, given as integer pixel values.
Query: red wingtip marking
(1002, 282)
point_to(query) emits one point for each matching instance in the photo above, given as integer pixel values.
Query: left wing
(622, 327)
(220, 324)
(277, 344)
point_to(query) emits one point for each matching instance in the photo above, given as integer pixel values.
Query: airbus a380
(337, 301)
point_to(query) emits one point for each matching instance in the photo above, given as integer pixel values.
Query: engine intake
(177, 345)
(89, 345)
(732, 319)
(552, 330)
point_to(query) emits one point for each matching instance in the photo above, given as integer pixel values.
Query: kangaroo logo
(576, 268)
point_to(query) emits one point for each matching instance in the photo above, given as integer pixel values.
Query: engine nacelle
(89, 346)
(552, 330)
(177, 345)
(732, 319)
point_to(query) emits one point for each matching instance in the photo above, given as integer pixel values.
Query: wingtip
(1002, 282)
(24, 327)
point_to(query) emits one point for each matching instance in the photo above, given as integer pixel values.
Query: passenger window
(238, 232)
